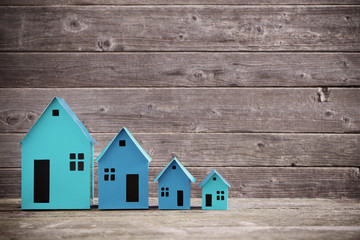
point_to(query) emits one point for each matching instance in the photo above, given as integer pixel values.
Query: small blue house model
(56, 161)
(123, 174)
(214, 192)
(174, 185)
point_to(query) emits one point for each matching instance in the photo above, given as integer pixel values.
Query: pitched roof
(134, 141)
(72, 115)
(210, 175)
(182, 168)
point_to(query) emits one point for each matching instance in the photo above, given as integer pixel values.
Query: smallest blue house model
(214, 192)
(174, 186)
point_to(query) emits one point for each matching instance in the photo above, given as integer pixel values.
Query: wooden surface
(245, 219)
(67, 70)
(266, 92)
(180, 28)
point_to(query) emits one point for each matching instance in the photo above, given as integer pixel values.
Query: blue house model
(56, 161)
(214, 192)
(123, 174)
(174, 186)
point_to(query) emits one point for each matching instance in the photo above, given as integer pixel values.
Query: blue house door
(132, 188)
(41, 181)
(180, 198)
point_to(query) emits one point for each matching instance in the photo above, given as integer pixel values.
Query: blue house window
(220, 195)
(214, 178)
(109, 175)
(174, 167)
(55, 112)
(164, 192)
(80, 164)
(122, 143)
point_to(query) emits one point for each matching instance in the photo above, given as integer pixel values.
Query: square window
(214, 179)
(122, 143)
(218, 198)
(162, 194)
(222, 192)
(218, 192)
(167, 194)
(167, 189)
(174, 167)
(80, 166)
(80, 156)
(72, 156)
(55, 112)
(106, 177)
(162, 189)
(106, 170)
(222, 197)
(72, 166)
(113, 170)
(112, 177)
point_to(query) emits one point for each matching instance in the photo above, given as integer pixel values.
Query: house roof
(134, 141)
(72, 115)
(210, 175)
(182, 168)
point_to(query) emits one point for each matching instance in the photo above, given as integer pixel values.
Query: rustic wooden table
(245, 219)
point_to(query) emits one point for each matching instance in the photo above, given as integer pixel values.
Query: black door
(208, 200)
(132, 187)
(41, 181)
(180, 198)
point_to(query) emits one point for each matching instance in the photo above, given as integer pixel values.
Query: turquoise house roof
(210, 175)
(182, 168)
(134, 141)
(72, 115)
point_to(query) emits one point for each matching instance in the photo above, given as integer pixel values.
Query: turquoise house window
(80, 164)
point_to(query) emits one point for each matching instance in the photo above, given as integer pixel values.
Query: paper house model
(174, 186)
(214, 192)
(56, 161)
(123, 174)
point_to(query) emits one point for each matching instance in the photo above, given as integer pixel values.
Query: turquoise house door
(209, 200)
(41, 181)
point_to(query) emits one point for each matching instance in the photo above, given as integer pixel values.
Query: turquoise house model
(123, 174)
(56, 161)
(174, 185)
(214, 192)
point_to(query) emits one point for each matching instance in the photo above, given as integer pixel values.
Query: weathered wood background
(266, 92)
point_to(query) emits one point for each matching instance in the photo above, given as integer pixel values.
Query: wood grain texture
(68, 70)
(250, 219)
(258, 182)
(168, 110)
(225, 150)
(180, 28)
(174, 2)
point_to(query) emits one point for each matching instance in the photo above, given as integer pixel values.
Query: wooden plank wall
(266, 92)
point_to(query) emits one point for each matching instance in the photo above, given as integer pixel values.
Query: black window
(174, 167)
(107, 175)
(55, 112)
(220, 195)
(72, 166)
(214, 179)
(164, 192)
(122, 143)
(80, 166)
(80, 156)
(72, 156)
